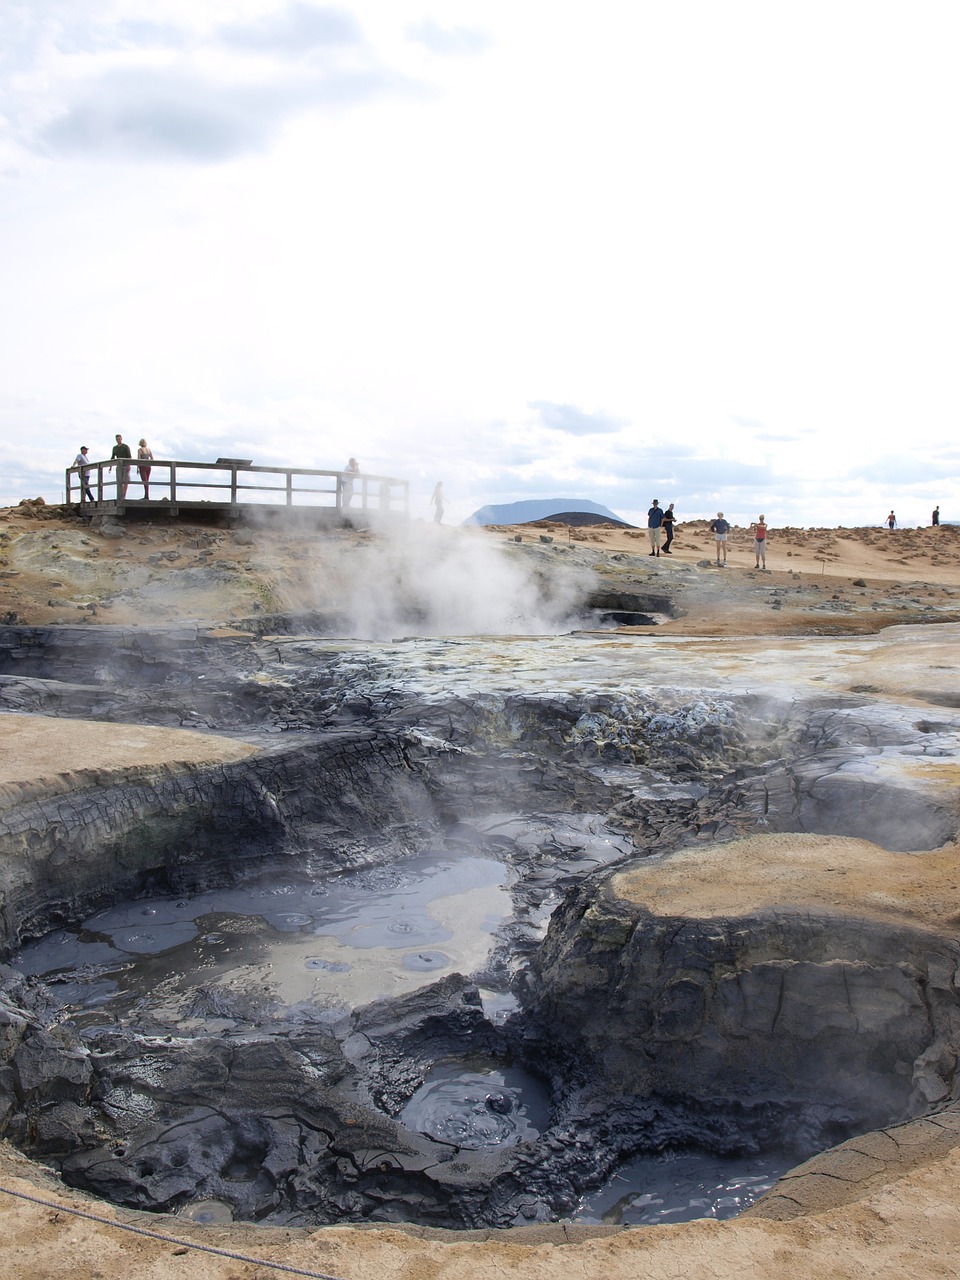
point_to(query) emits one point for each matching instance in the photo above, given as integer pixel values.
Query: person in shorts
(654, 521)
(720, 528)
(144, 458)
(760, 542)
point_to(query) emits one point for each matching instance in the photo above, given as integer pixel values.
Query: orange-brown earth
(55, 568)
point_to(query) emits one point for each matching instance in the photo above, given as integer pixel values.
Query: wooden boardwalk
(233, 487)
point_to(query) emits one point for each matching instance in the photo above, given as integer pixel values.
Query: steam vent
(567, 919)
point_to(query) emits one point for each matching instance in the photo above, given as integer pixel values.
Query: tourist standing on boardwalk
(351, 470)
(144, 456)
(936, 516)
(654, 521)
(81, 461)
(121, 454)
(760, 542)
(668, 522)
(436, 502)
(720, 528)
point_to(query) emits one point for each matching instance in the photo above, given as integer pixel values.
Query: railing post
(173, 482)
(289, 488)
(233, 483)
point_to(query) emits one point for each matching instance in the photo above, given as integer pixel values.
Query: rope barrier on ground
(165, 1239)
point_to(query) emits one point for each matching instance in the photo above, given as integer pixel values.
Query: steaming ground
(410, 578)
(423, 580)
(405, 578)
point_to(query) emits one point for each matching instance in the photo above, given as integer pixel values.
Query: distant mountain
(541, 509)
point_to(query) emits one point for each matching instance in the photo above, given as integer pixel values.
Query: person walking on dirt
(720, 528)
(760, 542)
(669, 520)
(654, 522)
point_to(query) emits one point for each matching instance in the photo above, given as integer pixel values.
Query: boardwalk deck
(232, 486)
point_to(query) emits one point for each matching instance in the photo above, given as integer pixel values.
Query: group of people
(660, 521)
(891, 520)
(120, 457)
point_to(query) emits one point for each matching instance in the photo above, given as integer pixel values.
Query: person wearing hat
(654, 522)
(720, 528)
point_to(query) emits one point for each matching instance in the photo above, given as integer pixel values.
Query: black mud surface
(307, 999)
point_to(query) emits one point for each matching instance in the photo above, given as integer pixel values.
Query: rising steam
(416, 579)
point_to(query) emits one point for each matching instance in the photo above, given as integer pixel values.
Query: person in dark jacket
(121, 454)
(720, 528)
(668, 522)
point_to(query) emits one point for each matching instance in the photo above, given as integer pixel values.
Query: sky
(706, 251)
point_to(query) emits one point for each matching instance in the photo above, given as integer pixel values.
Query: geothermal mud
(419, 957)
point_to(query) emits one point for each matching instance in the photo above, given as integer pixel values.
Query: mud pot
(386, 968)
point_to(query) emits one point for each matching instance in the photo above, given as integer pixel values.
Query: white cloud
(575, 421)
(294, 30)
(710, 249)
(449, 41)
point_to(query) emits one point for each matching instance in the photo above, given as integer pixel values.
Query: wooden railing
(232, 483)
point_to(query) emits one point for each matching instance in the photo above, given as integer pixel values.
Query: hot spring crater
(482, 932)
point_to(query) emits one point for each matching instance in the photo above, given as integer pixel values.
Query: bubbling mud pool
(243, 961)
(335, 942)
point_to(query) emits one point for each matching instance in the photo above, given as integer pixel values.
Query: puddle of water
(208, 1212)
(498, 1005)
(495, 1107)
(333, 943)
(682, 1186)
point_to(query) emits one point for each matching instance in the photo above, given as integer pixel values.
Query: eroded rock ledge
(686, 977)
